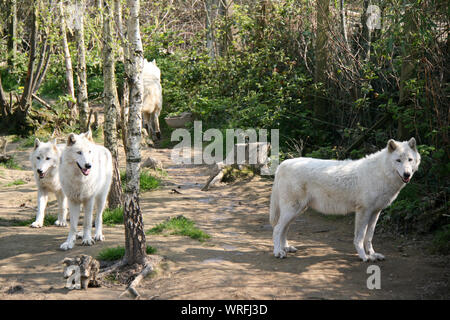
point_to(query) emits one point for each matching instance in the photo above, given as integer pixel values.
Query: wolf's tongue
(85, 171)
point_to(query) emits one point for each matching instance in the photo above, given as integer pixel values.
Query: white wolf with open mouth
(85, 173)
(365, 186)
(45, 162)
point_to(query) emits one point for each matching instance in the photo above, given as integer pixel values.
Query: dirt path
(236, 263)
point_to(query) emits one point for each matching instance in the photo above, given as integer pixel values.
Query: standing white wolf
(85, 172)
(45, 163)
(152, 101)
(365, 186)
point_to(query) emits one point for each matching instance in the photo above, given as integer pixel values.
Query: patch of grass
(113, 254)
(49, 220)
(16, 183)
(180, 226)
(11, 164)
(147, 181)
(113, 216)
(441, 241)
(232, 174)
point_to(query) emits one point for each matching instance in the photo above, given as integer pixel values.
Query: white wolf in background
(365, 186)
(152, 101)
(45, 163)
(85, 172)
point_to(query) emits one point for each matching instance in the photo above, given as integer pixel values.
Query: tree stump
(152, 163)
(81, 272)
(253, 154)
(3, 156)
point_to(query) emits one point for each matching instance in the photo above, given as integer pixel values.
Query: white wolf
(365, 186)
(45, 162)
(152, 101)
(85, 172)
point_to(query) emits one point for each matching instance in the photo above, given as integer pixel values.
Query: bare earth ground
(236, 263)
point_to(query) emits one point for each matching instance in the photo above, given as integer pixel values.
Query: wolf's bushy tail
(274, 205)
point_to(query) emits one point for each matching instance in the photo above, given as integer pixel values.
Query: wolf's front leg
(361, 221)
(87, 224)
(74, 209)
(62, 204)
(101, 201)
(42, 204)
(373, 256)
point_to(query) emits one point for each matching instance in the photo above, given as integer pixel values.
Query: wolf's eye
(79, 152)
(409, 159)
(89, 151)
(39, 158)
(47, 158)
(398, 160)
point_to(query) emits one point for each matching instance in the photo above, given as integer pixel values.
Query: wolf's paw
(99, 237)
(60, 223)
(290, 249)
(279, 254)
(67, 245)
(36, 224)
(87, 242)
(364, 258)
(376, 256)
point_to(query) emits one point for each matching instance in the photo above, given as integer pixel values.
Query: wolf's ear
(37, 142)
(88, 135)
(71, 139)
(412, 143)
(391, 145)
(154, 62)
(54, 141)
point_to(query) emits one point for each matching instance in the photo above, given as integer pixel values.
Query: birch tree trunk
(82, 96)
(110, 101)
(343, 22)
(135, 242)
(68, 61)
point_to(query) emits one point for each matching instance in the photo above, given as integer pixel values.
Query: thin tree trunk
(82, 96)
(321, 53)
(44, 69)
(110, 105)
(3, 101)
(135, 241)
(124, 58)
(210, 8)
(343, 22)
(12, 34)
(366, 32)
(25, 101)
(68, 62)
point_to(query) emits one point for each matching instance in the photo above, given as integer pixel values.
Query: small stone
(15, 289)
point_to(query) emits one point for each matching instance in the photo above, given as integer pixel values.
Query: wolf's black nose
(407, 175)
(87, 166)
(39, 171)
